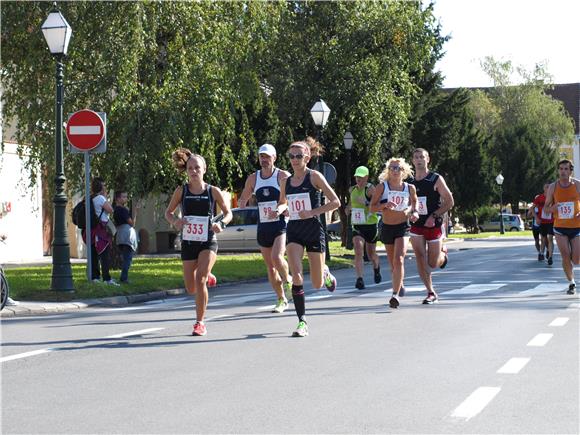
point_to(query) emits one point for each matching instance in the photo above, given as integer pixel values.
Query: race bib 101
(196, 229)
(298, 202)
(566, 210)
(265, 208)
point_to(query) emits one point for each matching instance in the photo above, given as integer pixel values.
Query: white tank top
(271, 181)
(400, 197)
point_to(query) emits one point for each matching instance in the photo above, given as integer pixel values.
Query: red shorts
(431, 234)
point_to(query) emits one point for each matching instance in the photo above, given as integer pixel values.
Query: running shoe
(211, 280)
(394, 302)
(287, 286)
(402, 291)
(281, 306)
(540, 257)
(571, 289)
(378, 277)
(329, 279)
(199, 329)
(360, 284)
(444, 250)
(430, 299)
(550, 261)
(301, 329)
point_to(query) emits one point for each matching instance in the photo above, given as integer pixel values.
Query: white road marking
(219, 316)
(559, 321)
(140, 332)
(537, 281)
(475, 403)
(25, 354)
(540, 340)
(474, 289)
(513, 366)
(542, 289)
(574, 306)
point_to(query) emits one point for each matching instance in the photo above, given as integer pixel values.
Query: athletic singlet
(267, 191)
(428, 199)
(198, 205)
(567, 201)
(399, 197)
(539, 202)
(303, 197)
(360, 213)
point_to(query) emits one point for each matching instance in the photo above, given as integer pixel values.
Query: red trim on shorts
(430, 234)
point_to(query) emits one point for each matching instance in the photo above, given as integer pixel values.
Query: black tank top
(426, 188)
(193, 204)
(306, 186)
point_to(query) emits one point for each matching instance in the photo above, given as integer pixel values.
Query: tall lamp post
(57, 33)
(320, 113)
(499, 180)
(348, 140)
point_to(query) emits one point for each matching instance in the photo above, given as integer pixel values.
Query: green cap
(361, 171)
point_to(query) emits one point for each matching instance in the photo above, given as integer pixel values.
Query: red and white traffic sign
(85, 130)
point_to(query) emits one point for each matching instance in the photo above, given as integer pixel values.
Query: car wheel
(514, 229)
(480, 229)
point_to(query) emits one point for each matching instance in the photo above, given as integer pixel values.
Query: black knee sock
(299, 301)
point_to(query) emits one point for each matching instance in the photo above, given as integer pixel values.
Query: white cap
(267, 149)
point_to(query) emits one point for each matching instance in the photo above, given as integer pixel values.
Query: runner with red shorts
(433, 199)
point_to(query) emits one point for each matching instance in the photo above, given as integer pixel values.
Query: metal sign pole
(88, 232)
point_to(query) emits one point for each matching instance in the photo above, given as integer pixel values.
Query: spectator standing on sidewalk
(126, 237)
(433, 199)
(199, 246)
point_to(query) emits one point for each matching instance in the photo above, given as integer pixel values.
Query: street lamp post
(348, 140)
(57, 33)
(320, 113)
(499, 180)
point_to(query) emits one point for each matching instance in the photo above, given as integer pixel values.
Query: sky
(526, 32)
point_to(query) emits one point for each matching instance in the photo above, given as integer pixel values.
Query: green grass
(490, 234)
(146, 275)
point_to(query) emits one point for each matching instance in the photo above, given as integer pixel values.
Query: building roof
(569, 95)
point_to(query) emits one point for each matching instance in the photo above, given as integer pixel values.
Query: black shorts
(308, 233)
(536, 232)
(391, 232)
(547, 229)
(370, 233)
(571, 233)
(191, 250)
(267, 233)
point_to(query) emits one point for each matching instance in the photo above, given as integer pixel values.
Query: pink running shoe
(199, 329)
(211, 280)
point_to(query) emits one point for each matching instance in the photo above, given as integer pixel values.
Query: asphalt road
(498, 354)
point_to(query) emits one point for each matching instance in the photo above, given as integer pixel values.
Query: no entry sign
(85, 130)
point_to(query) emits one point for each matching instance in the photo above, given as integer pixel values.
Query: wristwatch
(222, 224)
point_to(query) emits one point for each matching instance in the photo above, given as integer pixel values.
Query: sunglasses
(295, 156)
(394, 168)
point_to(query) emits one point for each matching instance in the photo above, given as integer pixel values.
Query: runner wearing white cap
(265, 185)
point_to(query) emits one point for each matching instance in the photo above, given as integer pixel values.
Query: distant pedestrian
(199, 244)
(396, 200)
(533, 213)
(427, 232)
(300, 199)
(126, 237)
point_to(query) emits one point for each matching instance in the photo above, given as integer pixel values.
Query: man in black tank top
(433, 200)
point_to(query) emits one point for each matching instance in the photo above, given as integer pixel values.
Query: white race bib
(265, 208)
(196, 229)
(545, 215)
(422, 205)
(357, 215)
(298, 202)
(566, 210)
(400, 199)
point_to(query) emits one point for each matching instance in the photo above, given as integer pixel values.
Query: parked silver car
(511, 222)
(240, 234)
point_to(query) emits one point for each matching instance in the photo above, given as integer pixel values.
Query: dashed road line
(513, 366)
(559, 321)
(133, 333)
(540, 340)
(475, 403)
(25, 354)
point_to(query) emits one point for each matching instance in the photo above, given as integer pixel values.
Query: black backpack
(79, 216)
